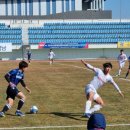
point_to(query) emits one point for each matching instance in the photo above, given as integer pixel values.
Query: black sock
(20, 104)
(6, 108)
(127, 74)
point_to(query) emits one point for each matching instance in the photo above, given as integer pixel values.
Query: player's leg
(7, 106)
(52, 60)
(89, 102)
(22, 97)
(120, 68)
(89, 95)
(127, 73)
(29, 59)
(11, 93)
(99, 104)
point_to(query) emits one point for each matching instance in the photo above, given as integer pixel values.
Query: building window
(62, 6)
(67, 5)
(48, 7)
(53, 6)
(72, 5)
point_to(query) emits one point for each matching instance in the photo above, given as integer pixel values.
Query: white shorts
(51, 58)
(89, 88)
(121, 64)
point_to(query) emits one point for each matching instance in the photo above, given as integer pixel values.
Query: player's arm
(24, 85)
(125, 58)
(7, 77)
(117, 88)
(88, 65)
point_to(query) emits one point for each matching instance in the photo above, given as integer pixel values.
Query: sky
(120, 8)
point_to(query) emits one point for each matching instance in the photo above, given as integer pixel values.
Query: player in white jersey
(51, 56)
(121, 61)
(101, 77)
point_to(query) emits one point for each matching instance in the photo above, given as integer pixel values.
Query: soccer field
(58, 92)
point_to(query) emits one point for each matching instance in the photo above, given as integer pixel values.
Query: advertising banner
(5, 47)
(63, 45)
(123, 44)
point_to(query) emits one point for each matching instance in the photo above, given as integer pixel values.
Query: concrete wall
(42, 54)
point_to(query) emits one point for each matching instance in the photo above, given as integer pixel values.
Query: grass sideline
(58, 92)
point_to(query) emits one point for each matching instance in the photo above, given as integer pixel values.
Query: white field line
(58, 127)
(88, 70)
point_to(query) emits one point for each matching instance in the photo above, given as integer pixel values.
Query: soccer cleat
(19, 113)
(87, 115)
(2, 114)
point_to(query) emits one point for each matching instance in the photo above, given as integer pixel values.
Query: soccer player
(29, 56)
(101, 77)
(121, 61)
(14, 77)
(51, 56)
(128, 68)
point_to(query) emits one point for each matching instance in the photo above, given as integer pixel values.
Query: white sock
(50, 62)
(88, 106)
(119, 72)
(96, 107)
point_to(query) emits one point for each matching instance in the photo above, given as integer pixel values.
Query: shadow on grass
(74, 116)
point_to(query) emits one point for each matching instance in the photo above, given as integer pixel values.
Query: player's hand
(12, 85)
(121, 94)
(83, 61)
(28, 89)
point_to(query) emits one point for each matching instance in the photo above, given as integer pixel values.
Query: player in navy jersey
(29, 56)
(14, 77)
(128, 68)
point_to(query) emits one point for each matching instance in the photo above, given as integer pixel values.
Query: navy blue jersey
(16, 76)
(129, 58)
(29, 53)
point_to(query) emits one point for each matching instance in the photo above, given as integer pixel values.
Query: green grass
(58, 92)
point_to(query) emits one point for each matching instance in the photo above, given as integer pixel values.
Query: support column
(102, 4)
(97, 4)
(91, 5)
(94, 4)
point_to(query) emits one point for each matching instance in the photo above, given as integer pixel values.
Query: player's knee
(23, 97)
(102, 103)
(96, 96)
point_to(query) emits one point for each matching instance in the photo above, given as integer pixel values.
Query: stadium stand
(95, 33)
(10, 34)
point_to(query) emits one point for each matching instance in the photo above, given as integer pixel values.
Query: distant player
(29, 55)
(128, 68)
(121, 61)
(14, 77)
(101, 77)
(51, 56)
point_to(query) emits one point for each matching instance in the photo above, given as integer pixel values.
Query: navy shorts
(12, 92)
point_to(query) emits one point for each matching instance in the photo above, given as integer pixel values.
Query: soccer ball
(33, 110)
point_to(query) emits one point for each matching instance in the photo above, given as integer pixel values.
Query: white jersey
(122, 58)
(100, 79)
(51, 55)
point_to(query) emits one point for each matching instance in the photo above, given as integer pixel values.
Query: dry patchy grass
(58, 92)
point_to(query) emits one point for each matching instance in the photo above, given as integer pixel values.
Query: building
(46, 7)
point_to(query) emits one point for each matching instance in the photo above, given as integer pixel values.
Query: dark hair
(121, 50)
(23, 64)
(105, 65)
